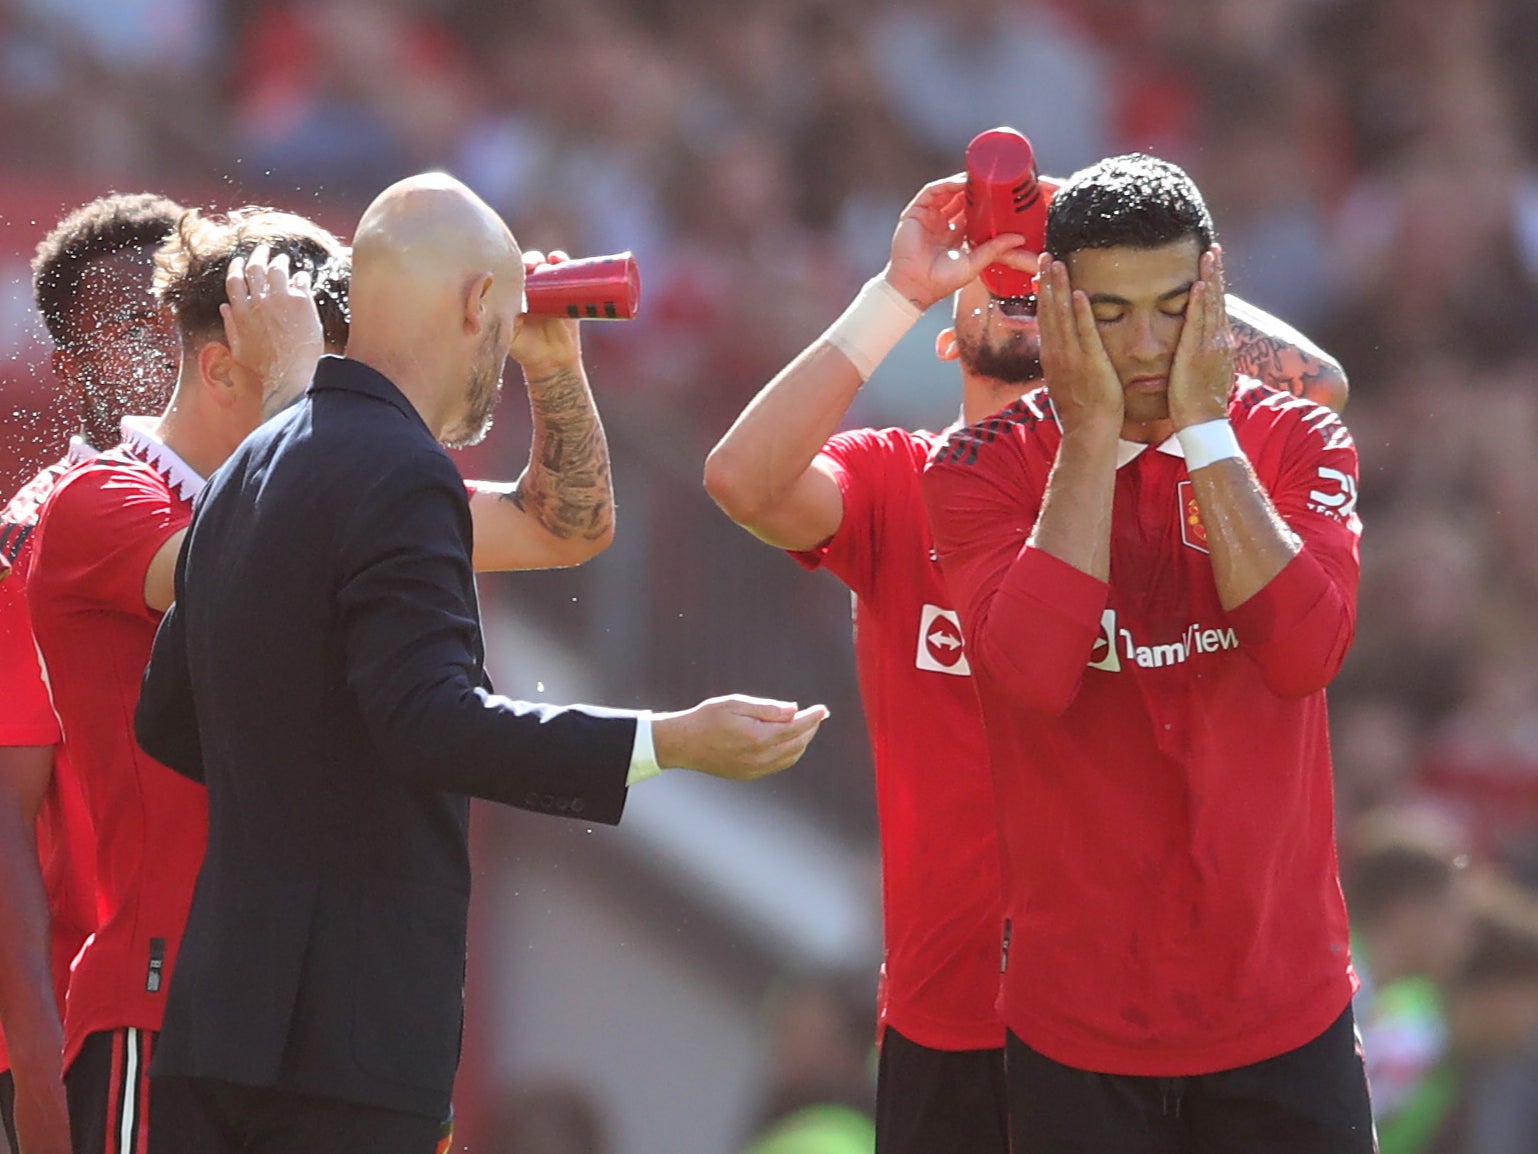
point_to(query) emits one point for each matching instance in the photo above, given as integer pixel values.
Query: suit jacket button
(563, 804)
(531, 800)
(578, 805)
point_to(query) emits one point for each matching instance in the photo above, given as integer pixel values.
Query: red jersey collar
(81, 450)
(141, 437)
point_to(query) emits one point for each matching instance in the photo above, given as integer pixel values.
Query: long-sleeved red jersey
(939, 848)
(1162, 766)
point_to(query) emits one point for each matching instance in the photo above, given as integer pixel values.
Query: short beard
(1014, 363)
(484, 390)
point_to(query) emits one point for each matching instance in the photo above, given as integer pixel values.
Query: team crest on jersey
(1192, 531)
(940, 649)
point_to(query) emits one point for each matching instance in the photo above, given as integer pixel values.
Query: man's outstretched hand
(739, 738)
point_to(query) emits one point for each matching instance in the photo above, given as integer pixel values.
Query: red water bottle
(593, 288)
(1005, 194)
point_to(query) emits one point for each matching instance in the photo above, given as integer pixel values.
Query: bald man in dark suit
(322, 671)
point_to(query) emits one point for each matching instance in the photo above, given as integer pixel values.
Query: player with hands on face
(1156, 562)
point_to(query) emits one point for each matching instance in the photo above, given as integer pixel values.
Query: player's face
(122, 357)
(997, 338)
(1139, 297)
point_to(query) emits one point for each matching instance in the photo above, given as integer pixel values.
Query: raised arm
(1249, 541)
(1075, 521)
(1274, 353)
(1285, 562)
(765, 473)
(560, 511)
(1027, 561)
(272, 326)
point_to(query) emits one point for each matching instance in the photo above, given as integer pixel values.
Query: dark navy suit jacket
(322, 672)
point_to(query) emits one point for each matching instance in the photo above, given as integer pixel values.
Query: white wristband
(1208, 442)
(877, 318)
(643, 753)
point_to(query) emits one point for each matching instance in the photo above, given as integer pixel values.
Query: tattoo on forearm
(567, 485)
(1276, 362)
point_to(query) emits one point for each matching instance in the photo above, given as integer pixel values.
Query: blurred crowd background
(1373, 169)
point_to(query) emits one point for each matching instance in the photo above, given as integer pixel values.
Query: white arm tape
(1208, 442)
(877, 318)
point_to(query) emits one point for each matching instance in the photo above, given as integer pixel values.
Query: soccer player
(99, 580)
(114, 354)
(1155, 564)
(851, 502)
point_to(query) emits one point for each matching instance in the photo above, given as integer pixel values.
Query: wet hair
(1398, 869)
(1136, 201)
(109, 225)
(190, 267)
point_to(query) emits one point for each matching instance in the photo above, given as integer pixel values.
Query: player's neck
(1148, 432)
(104, 433)
(984, 396)
(193, 428)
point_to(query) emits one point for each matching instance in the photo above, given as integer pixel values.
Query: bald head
(427, 236)
(437, 290)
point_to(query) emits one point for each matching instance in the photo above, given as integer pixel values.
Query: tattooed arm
(1274, 352)
(561, 510)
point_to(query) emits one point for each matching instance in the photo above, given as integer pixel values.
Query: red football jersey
(1163, 766)
(940, 859)
(99, 530)
(65, 843)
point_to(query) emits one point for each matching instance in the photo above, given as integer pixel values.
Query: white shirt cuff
(643, 754)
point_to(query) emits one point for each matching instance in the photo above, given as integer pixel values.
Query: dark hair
(109, 225)
(190, 267)
(1134, 200)
(1397, 869)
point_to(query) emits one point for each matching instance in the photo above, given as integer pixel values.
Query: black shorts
(112, 1098)
(233, 1119)
(1312, 1100)
(932, 1101)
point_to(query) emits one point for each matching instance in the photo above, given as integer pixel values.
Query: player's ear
(947, 346)
(217, 368)
(477, 303)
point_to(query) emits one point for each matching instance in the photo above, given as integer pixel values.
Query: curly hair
(1134, 200)
(190, 267)
(109, 225)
